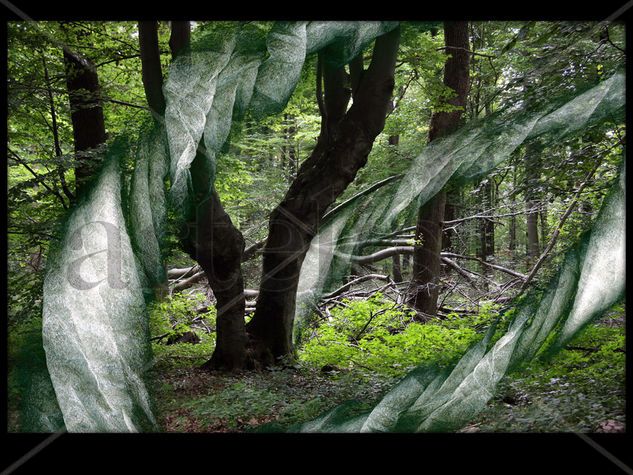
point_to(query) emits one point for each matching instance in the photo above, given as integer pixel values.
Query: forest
(258, 226)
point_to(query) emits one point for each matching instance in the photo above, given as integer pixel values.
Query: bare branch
(492, 266)
(351, 283)
(556, 233)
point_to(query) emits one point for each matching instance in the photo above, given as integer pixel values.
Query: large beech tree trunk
(89, 132)
(344, 143)
(207, 235)
(427, 263)
(210, 238)
(426, 256)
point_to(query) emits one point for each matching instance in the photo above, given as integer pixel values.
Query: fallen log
(182, 271)
(189, 281)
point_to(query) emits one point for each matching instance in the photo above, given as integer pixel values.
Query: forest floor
(580, 390)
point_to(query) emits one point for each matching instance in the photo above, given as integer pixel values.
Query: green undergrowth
(174, 316)
(363, 350)
(376, 336)
(579, 390)
(358, 355)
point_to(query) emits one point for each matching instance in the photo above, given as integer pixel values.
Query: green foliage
(195, 400)
(176, 310)
(488, 313)
(171, 318)
(40, 136)
(375, 335)
(238, 400)
(183, 355)
(576, 390)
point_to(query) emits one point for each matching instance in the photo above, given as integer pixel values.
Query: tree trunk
(544, 227)
(150, 66)
(486, 229)
(487, 226)
(450, 213)
(532, 169)
(89, 132)
(288, 149)
(426, 257)
(208, 235)
(396, 269)
(512, 233)
(180, 37)
(344, 143)
(210, 238)
(532, 247)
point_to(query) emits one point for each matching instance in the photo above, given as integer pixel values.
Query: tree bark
(89, 132)
(207, 235)
(544, 227)
(450, 213)
(345, 140)
(397, 269)
(486, 226)
(532, 173)
(288, 149)
(426, 257)
(512, 233)
(486, 230)
(150, 66)
(210, 238)
(180, 37)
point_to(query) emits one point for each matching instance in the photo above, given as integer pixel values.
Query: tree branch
(351, 283)
(474, 53)
(120, 58)
(123, 103)
(556, 233)
(40, 180)
(492, 266)
(55, 130)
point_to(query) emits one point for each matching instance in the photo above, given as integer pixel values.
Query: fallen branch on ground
(351, 283)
